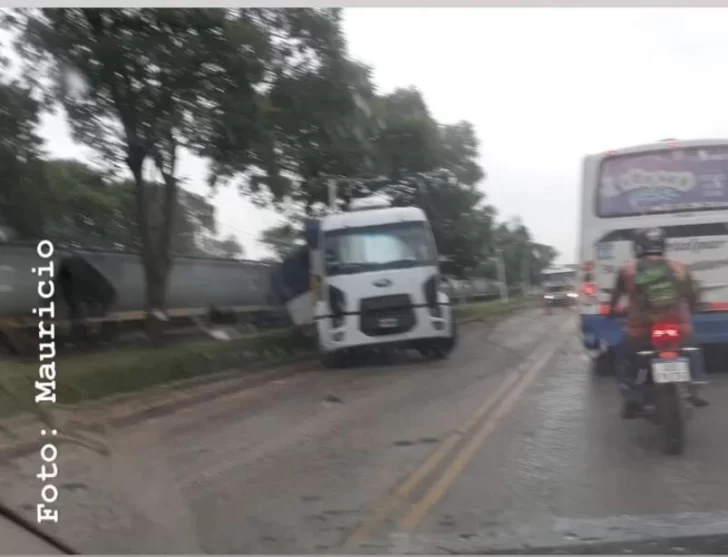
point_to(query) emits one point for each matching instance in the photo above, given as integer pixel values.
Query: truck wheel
(453, 341)
(436, 350)
(446, 351)
(334, 360)
(330, 360)
(429, 352)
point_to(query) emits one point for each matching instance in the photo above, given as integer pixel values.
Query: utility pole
(332, 194)
(525, 269)
(501, 268)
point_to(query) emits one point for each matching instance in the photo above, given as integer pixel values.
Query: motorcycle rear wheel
(671, 418)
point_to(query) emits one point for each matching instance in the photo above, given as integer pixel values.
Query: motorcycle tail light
(665, 337)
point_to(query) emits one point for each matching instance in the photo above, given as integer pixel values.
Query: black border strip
(21, 521)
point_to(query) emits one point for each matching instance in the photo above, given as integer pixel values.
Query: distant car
(560, 295)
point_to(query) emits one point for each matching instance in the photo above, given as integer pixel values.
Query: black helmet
(651, 241)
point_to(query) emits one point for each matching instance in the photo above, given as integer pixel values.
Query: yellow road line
(393, 501)
(390, 503)
(435, 494)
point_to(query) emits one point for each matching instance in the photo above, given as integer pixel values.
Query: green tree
(436, 167)
(283, 239)
(415, 160)
(396, 147)
(543, 256)
(23, 191)
(409, 141)
(523, 258)
(228, 247)
(90, 208)
(322, 127)
(138, 85)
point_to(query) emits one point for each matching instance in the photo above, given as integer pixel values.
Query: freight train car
(109, 287)
(478, 289)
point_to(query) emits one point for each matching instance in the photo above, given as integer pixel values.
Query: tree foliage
(228, 247)
(405, 153)
(281, 240)
(23, 179)
(91, 208)
(139, 85)
(268, 96)
(524, 259)
(82, 206)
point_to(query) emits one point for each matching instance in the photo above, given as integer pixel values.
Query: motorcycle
(664, 375)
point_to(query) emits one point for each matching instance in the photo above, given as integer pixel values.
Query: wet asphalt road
(509, 445)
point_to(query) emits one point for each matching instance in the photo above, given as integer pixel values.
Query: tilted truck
(373, 281)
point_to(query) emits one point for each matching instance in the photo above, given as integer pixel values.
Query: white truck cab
(378, 282)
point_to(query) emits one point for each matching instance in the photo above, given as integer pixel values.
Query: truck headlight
(572, 295)
(548, 297)
(431, 289)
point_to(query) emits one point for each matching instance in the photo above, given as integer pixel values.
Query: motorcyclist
(649, 250)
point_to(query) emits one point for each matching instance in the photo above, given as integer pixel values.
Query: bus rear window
(664, 181)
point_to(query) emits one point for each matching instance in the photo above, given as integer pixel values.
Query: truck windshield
(385, 246)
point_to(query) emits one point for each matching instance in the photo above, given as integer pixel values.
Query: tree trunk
(154, 259)
(157, 278)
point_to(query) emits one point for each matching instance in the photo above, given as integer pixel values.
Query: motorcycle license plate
(671, 371)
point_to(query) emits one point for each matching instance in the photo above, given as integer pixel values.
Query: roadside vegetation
(94, 376)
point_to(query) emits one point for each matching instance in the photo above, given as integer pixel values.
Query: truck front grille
(386, 315)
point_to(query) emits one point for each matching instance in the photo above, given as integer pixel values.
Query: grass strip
(93, 376)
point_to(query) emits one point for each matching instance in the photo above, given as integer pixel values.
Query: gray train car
(195, 283)
(113, 284)
(18, 284)
(95, 286)
(478, 289)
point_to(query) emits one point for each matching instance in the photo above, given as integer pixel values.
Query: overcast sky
(543, 87)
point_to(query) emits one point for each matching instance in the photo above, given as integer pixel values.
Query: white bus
(681, 186)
